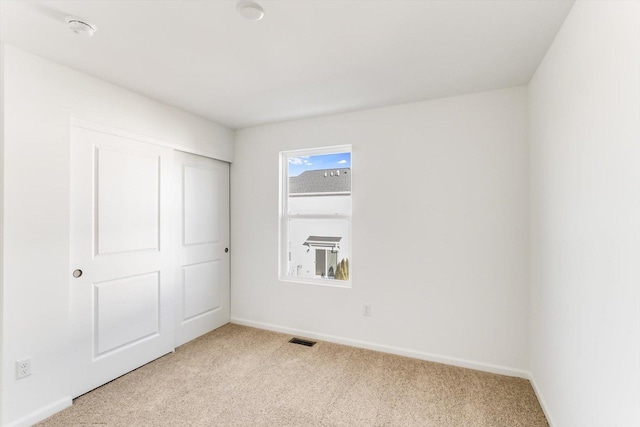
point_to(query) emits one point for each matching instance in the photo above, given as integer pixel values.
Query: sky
(300, 164)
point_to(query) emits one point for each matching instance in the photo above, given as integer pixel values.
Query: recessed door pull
(77, 273)
(226, 250)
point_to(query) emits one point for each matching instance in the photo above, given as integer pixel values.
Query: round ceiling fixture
(80, 27)
(250, 10)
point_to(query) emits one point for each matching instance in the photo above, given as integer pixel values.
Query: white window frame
(285, 216)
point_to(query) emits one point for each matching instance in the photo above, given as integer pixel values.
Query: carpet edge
(446, 360)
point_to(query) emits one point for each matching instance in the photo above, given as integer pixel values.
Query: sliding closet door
(122, 269)
(202, 257)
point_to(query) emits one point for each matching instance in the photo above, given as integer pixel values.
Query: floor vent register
(302, 342)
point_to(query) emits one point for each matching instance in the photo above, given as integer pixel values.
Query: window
(315, 216)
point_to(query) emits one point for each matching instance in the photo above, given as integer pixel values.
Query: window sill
(317, 282)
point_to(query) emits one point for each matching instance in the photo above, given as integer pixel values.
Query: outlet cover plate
(366, 310)
(23, 368)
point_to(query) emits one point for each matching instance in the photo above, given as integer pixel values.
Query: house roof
(321, 181)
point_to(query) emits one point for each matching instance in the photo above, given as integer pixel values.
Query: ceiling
(305, 58)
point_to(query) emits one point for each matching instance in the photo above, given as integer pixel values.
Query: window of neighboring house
(315, 216)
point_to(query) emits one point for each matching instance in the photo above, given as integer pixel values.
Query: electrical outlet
(366, 310)
(23, 368)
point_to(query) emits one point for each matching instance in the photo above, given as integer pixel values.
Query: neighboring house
(321, 182)
(323, 191)
(326, 250)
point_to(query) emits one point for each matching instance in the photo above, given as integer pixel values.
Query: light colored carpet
(239, 376)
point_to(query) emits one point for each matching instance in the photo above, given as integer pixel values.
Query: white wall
(1, 216)
(440, 231)
(585, 201)
(40, 98)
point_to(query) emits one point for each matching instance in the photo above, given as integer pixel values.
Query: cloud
(296, 160)
(342, 162)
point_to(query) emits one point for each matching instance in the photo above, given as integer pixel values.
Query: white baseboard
(541, 400)
(479, 366)
(42, 413)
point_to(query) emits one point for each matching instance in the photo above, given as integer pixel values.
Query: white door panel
(128, 201)
(127, 310)
(200, 293)
(122, 240)
(201, 205)
(202, 261)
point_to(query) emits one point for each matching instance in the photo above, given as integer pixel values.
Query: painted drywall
(440, 231)
(585, 212)
(40, 99)
(1, 213)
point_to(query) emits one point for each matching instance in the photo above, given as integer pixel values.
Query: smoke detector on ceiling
(250, 10)
(80, 26)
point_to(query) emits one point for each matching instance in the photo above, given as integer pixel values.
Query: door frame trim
(99, 127)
